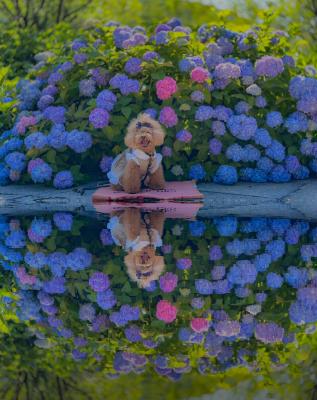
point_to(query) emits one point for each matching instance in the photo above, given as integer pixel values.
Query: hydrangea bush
(234, 106)
(234, 293)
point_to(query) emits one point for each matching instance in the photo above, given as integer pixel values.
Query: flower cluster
(220, 104)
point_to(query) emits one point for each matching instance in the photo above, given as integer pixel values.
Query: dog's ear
(130, 135)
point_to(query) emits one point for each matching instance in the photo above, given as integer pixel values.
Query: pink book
(171, 209)
(186, 190)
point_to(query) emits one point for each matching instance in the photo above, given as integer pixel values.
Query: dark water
(144, 306)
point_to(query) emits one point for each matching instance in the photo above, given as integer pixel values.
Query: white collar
(141, 155)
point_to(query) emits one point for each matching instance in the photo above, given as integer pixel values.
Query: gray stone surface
(296, 199)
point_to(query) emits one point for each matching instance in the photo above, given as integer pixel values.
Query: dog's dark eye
(145, 124)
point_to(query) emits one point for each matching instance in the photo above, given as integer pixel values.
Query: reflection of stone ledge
(296, 199)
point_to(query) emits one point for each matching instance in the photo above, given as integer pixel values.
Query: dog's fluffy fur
(143, 138)
(139, 271)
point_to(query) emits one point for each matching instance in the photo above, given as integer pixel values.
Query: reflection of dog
(139, 235)
(139, 164)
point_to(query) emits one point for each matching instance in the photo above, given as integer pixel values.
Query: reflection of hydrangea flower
(56, 114)
(273, 280)
(242, 273)
(274, 119)
(199, 325)
(227, 328)
(165, 88)
(35, 260)
(197, 228)
(215, 253)
(79, 259)
(63, 221)
(165, 311)
(184, 263)
(39, 230)
(269, 332)
(87, 312)
(168, 282)
(99, 282)
(106, 299)
(15, 239)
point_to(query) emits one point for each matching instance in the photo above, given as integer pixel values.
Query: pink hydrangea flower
(165, 311)
(199, 74)
(199, 324)
(168, 117)
(24, 123)
(24, 277)
(165, 88)
(168, 282)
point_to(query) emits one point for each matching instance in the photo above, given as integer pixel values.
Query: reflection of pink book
(171, 209)
(173, 191)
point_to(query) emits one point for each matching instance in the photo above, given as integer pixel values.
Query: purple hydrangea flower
(99, 118)
(184, 263)
(106, 299)
(106, 99)
(99, 282)
(269, 332)
(184, 136)
(215, 146)
(79, 259)
(168, 282)
(56, 114)
(133, 66)
(57, 137)
(269, 66)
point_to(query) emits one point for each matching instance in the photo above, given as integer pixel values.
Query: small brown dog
(139, 234)
(139, 165)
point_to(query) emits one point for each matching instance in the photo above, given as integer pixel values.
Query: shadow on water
(129, 304)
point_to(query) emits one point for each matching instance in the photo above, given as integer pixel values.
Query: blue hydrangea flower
(226, 174)
(296, 122)
(203, 113)
(197, 172)
(16, 161)
(242, 273)
(203, 286)
(273, 280)
(242, 126)
(63, 180)
(274, 119)
(197, 228)
(57, 137)
(79, 141)
(262, 137)
(35, 140)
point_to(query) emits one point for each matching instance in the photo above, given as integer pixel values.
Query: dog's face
(144, 266)
(144, 133)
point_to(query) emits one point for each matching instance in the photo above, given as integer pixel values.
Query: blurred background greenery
(30, 26)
